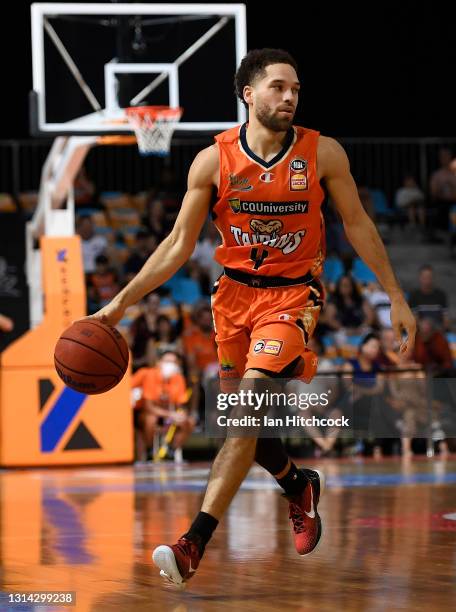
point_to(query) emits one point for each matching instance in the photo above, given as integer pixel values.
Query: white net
(154, 127)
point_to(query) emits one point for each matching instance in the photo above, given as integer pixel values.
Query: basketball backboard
(91, 61)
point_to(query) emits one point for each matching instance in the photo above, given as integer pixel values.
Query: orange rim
(153, 111)
(116, 140)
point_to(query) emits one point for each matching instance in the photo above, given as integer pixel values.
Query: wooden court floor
(389, 540)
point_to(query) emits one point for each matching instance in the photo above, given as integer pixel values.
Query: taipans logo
(270, 228)
(298, 175)
(294, 207)
(239, 183)
(267, 177)
(268, 234)
(62, 255)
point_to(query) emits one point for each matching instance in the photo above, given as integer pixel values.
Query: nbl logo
(298, 165)
(298, 175)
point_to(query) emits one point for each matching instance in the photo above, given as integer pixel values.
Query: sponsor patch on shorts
(268, 346)
(259, 346)
(273, 347)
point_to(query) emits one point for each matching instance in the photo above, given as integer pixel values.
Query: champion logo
(267, 177)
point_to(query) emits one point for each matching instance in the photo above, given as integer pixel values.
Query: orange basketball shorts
(264, 328)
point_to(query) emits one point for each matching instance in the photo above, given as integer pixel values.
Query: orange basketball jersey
(269, 213)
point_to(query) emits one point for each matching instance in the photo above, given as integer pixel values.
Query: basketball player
(269, 177)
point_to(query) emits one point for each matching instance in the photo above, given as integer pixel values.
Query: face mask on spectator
(169, 368)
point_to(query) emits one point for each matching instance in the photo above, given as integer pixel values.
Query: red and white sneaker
(177, 563)
(306, 522)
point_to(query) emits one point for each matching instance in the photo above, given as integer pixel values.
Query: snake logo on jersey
(271, 233)
(268, 234)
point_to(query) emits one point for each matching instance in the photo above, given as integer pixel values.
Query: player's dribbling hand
(110, 314)
(402, 319)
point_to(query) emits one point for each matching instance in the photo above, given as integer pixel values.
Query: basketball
(91, 357)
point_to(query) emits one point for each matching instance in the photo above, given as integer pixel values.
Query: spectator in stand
(407, 397)
(347, 312)
(200, 351)
(368, 384)
(429, 301)
(443, 187)
(102, 285)
(410, 199)
(327, 438)
(84, 190)
(316, 345)
(168, 336)
(199, 340)
(146, 244)
(161, 402)
(204, 253)
(380, 303)
(170, 194)
(388, 356)
(154, 219)
(143, 331)
(92, 244)
(432, 350)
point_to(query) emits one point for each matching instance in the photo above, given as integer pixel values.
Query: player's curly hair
(254, 64)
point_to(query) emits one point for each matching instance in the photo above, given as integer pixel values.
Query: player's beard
(272, 121)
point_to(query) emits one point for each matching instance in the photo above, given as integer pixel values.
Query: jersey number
(258, 257)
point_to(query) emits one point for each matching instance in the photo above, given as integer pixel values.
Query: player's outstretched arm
(176, 248)
(363, 235)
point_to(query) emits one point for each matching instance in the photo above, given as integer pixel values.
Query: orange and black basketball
(91, 357)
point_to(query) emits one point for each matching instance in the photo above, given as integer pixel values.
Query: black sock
(201, 530)
(271, 455)
(293, 482)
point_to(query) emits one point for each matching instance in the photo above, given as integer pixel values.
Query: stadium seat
(330, 349)
(349, 350)
(105, 231)
(139, 202)
(129, 234)
(381, 207)
(361, 273)
(122, 217)
(7, 204)
(333, 269)
(185, 290)
(115, 199)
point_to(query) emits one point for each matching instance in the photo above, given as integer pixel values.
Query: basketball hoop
(154, 127)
